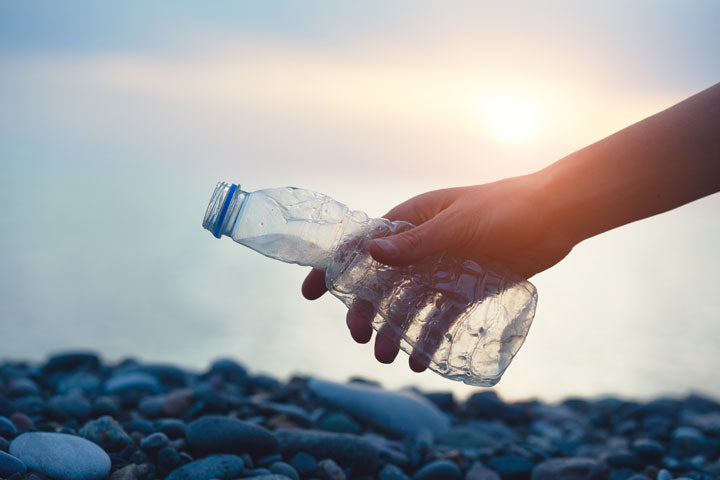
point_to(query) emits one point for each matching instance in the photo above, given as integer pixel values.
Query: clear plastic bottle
(462, 320)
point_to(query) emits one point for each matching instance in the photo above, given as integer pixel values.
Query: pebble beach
(74, 416)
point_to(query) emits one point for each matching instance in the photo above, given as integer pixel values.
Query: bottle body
(462, 320)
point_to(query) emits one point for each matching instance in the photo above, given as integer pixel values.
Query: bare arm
(530, 223)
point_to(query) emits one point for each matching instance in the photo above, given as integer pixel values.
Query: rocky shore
(73, 417)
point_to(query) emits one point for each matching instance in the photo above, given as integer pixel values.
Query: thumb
(412, 245)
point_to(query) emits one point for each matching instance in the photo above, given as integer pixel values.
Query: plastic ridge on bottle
(462, 320)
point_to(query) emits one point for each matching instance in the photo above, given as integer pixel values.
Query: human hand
(504, 222)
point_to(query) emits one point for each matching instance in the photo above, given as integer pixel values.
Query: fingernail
(387, 247)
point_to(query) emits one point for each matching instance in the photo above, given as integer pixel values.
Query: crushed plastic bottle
(460, 319)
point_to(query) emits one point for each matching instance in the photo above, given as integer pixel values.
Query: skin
(530, 223)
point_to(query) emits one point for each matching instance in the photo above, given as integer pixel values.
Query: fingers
(416, 364)
(387, 345)
(413, 245)
(314, 285)
(359, 319)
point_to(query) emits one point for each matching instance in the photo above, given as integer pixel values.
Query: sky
(118, 119)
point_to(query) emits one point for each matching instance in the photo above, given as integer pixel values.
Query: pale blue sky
(117, 120)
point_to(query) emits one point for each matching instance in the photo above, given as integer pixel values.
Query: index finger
(314, 285)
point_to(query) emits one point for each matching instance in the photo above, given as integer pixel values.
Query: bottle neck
(225, 205)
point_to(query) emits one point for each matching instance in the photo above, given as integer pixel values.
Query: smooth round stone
(400, 413)
(22, 422)
(154, 442)
(664, 475)
(511, 466)
(143, 427)
(648, 448)
(304, 463)
(86, 382)
(478, 472)
(348, 450)
(438, 470)
(172, 427)
(10, 465)
(221, 467)
(638, 476)
(132, 383)
(688, 440)
(106, 432)
(7, 428)
(392, 472)
(218, 434)
(22, 387)
(61, 456)
(339, 422)
(283, 468)
(576, 468)
(65, 362)
(70, 405)
(229, 370)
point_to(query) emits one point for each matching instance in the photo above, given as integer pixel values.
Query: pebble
(331, 470)
(168, 458)
(61, 456)
(106, 432)
(478, 472)
(10, 465)
(576, 468)
(171, 427)
(688, 440)
(664, 475)
(157, 421)
(154, 442)
(438, 470)
(392, 472)
(66, 362)
(70, 405)
(218, 434)
(86, 382)
(221, 466)
(283, 468)
(303, 463)
(22, 422)
(339, 422)
(348, 450)
(399, 413)
(7, 428)
(22, 387)
(132, 384)
(229, 370)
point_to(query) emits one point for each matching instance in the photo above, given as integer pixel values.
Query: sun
(511, 118)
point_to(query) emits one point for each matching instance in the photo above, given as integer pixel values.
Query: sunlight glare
(512, 118)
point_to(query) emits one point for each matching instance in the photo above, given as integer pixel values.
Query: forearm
(655, 165)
